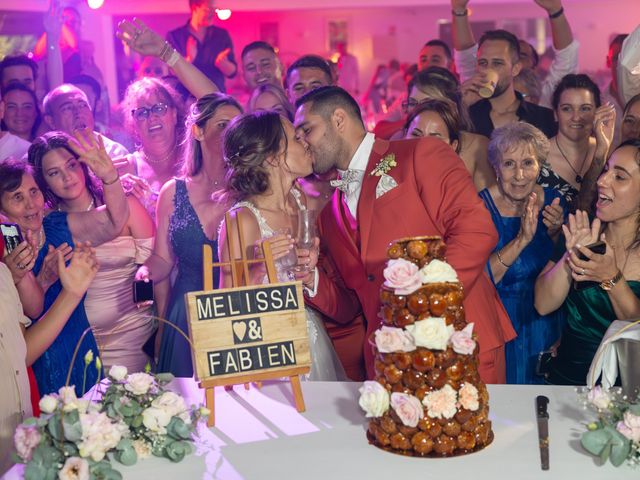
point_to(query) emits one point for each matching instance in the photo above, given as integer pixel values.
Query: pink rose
(462, 341)
(391, 339)
(630, 426)
(468, 397)
(26, 439)
(407, 407)
(403, 276)
(441, 403)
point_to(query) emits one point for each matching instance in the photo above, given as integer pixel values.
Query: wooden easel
(240, 277)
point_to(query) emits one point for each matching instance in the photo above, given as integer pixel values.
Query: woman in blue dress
(188, 219)
(528, 219)
(25, 204)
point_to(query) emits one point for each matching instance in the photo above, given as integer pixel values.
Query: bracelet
(498, 253)
(112, 181)
(557, 14)
(165, 52)
(173, 59)
(463, 14)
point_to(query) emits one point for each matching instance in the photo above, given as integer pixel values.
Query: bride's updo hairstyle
(250, 141)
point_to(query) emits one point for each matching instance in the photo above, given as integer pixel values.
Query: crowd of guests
(550, 164)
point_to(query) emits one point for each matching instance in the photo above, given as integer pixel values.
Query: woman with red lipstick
(598, 288)
(576, 102)
(528, 219)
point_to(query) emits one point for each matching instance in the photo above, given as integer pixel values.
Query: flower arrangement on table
(137, 417)
(615, 436)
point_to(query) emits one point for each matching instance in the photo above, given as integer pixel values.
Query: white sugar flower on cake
(468, 396)
(437, 271)
(432, 332)
(408, 408)
(392, 339)
(402, 276)
(441, 403)
(374, 399)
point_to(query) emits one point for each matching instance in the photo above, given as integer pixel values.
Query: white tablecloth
(260, 435)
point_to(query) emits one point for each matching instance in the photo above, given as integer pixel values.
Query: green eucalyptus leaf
(104, 471)
(126, 456)
(604, 454)
(137, 421)
(35, 471)
(594, 441)
(620, 446)
(71, 426)
(178, 429)
(176, 450)
(54, 426)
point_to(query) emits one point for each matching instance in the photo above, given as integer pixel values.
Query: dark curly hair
(47, 143)
(249, 141)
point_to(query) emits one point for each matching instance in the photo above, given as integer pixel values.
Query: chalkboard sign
(241, 332)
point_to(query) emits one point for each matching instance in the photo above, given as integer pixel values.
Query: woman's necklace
(91, 205)
(162, 160)
(577, 172)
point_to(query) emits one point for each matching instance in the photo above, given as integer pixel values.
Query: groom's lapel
(368, 194)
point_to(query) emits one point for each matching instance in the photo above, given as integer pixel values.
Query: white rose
(599, 397)
(156, 419)
(374, 399)
(118, 373)
(437, 271)
(48, 403)
(432, 332)
(171, 403)
(139, 383)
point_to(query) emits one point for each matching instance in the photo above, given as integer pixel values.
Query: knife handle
(541, 406)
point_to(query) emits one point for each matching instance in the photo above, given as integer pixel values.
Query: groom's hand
(307, 260)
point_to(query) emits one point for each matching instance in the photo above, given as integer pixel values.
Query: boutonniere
(384, 166)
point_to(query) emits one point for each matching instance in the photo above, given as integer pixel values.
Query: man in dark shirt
(204, 45)
(499, 50)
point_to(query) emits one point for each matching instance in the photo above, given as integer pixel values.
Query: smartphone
(598, 247)
(142, 291)
(12, 236)
(543, 365)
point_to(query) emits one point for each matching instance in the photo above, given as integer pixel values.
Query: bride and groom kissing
(386, 190)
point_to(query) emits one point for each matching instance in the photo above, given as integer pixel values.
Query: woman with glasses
(155, 120)
(188, 218)
(528, 219)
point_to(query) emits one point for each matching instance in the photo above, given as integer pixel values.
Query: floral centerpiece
(615, 436)
(137, 417)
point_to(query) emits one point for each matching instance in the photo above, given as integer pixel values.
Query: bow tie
(348, 181)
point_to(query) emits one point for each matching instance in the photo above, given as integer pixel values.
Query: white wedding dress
(325, 364)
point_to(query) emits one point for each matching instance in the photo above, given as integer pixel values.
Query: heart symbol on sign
(240, 328)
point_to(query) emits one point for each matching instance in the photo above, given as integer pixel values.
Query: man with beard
(427, 191)
(499, 51)
(67, 109)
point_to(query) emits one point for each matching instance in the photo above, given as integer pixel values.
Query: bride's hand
(281, 245)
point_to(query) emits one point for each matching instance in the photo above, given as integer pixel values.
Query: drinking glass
(285, 265)
(306, 233)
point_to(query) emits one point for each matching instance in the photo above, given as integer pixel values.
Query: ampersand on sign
(255, 330)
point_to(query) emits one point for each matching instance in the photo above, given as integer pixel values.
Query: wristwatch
(609, 284)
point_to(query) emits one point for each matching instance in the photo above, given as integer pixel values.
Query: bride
(263, 160)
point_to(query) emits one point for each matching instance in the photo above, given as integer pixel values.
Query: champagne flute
(306, 233)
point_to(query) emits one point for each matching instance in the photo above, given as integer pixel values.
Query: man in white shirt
(66, 108)
(565, 47)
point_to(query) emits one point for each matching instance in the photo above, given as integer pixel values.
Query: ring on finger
(21, 266)
(582, 272)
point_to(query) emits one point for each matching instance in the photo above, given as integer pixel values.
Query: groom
(425, 190)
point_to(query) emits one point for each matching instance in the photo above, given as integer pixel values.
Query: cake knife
(543, 430)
